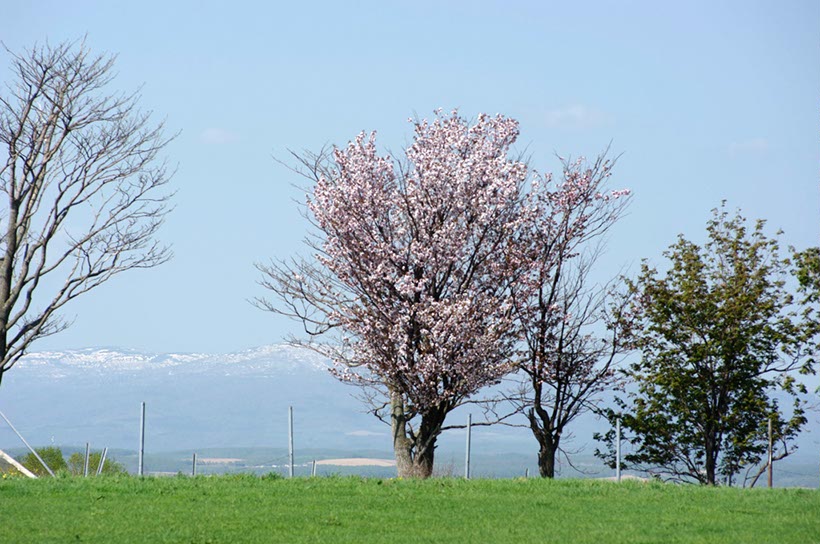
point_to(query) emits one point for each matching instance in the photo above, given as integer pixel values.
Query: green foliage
(10, 472)
(216, 509)
(53, 457)
(719, 333)
(807, 270)
(76, 464)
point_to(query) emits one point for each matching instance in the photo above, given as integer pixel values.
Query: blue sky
(706, 101)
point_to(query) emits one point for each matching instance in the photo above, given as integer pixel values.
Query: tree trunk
(546, 435)
(546, 456)
(414, 455)
(711, 458)
(402, 445)
(710, 472)
(423, 463)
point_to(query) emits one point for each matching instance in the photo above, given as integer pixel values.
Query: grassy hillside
(251, 509)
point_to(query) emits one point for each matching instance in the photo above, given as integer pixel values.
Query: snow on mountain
(263, 361)
(203, 400)
(193, 399)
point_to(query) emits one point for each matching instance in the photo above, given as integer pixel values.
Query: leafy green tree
(720, 334)
(76, 464)
(53, 457)
(808, 272)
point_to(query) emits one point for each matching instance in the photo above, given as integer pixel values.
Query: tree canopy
(423, 264)
(721, 340)
(412, 269)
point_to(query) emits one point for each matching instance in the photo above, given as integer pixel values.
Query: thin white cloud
(363, 433)
(577, 117)
(218, 136)
(754, 146)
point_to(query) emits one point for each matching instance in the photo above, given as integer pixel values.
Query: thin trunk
(402, 445)
(546, 456)
(6, 278)
(710, 472)
(545, 434)
(711, 459)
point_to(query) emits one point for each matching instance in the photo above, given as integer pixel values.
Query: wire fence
(312, 462)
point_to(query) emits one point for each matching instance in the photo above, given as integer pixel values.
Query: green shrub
(52, 456)
(76, 464)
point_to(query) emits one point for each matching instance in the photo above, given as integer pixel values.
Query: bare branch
(85, 189)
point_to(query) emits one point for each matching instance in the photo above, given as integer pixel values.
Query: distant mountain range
(200, 401)
(265, 361)
(192, 399)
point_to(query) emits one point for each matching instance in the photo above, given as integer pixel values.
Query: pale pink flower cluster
(441, 254)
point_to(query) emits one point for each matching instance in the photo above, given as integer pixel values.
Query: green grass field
(251, 509)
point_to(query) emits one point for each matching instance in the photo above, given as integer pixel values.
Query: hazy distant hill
(198, 401)
(193, 400)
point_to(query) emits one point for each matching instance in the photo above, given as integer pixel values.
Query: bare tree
(569, 364)
(84, 188)
(571, 342)
(782, 446)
